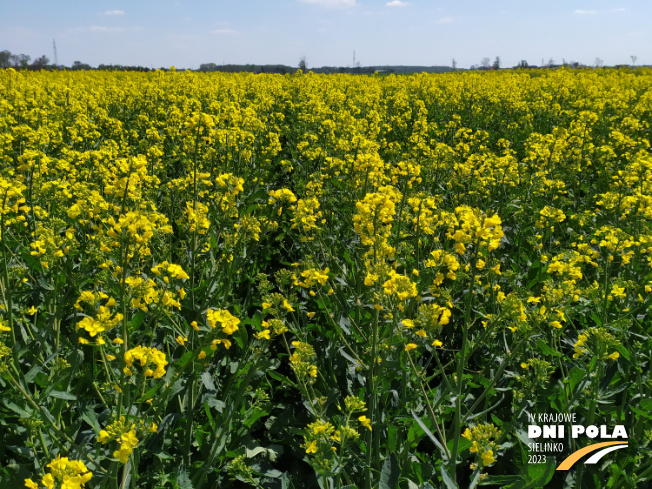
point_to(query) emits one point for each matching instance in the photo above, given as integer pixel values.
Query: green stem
(593, 404)
(43, 444)
(194, 208)
(427, 399)
(371, 439)
(460, 366)
(340, 333)
(6, 289)
(125, 336)
(606, 293)
(198, 479)
(189, 418)
(495, 379)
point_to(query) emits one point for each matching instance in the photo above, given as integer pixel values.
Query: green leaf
(150, 393)
(546, 349)
(646, 404)
(17, 409)
(497, 421)
(389, 474)
(216, 404)
(442, 450)
(255, 415)
(241, 337)
(91, 418)
(348, 357)
(183, 481)
(63, 395)
(501, 480)
(450, 483)
(29, 376)
(207, 380)
(624, 352)
(641, 412)
(273, 474)
(42, 380)
(520, 457)
(575, 376)
(597, 320)
(392, 438)
(137, 320)
(540, 474)
(280, 378)
(184, 360)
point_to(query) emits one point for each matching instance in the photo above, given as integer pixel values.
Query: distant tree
(551, 62)
(522, 64)
(634, 58)
(598, 63)
(485, 63)
(496, 65)
(78, 65)
(303, 64)
(40, 63)
(22, 60)
(5, 59)
(208, 67)
(453, 64)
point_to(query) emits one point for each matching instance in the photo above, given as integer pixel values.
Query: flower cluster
(322, 438)
(227, 321)
(146, 356)
(600, 342)
(67, 474)
(483, 442)
(302, 360)
(474, 226)
(125, 433)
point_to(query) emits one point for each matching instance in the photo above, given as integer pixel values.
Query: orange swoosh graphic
(575, 456)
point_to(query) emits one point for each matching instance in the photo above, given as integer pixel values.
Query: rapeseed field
(333, 281)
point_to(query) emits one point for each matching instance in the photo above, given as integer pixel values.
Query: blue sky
(186, 33)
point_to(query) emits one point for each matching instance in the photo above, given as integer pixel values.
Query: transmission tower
(54, 47)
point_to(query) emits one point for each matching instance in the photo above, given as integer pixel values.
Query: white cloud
(331, 3)
(445, 20)
(397, 3)
(114, 12)
(585, 12)
(101, 28)
(223, 31)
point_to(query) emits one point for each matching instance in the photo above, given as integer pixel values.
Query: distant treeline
(282, 69)
(24, 62)
(248, 68)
